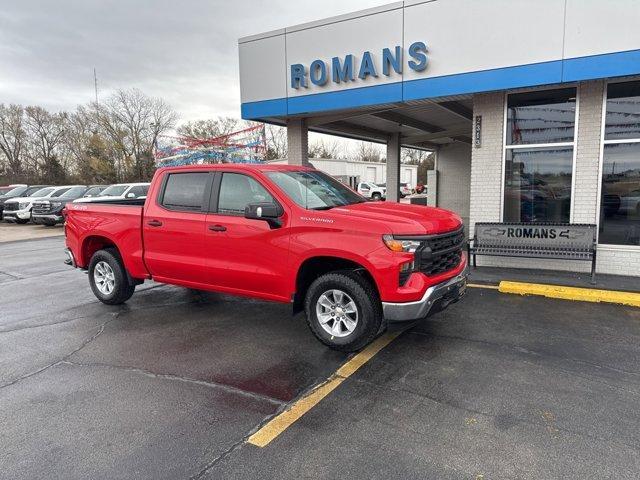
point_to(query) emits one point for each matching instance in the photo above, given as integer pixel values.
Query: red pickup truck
(281, 233)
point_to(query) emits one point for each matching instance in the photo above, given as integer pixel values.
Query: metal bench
(562, 241)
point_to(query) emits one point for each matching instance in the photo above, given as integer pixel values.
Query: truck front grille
(440, 253)
(10, 207)
(40, 208)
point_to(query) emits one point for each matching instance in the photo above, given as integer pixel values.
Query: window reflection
(538, 184)
(623, 111)
(620, 202)
(546, 116)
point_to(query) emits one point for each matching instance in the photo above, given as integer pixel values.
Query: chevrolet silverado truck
(275, 232)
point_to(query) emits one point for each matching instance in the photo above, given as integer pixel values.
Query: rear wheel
(108, 278)
(343, 311)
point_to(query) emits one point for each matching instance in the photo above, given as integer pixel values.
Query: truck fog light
(407, 267)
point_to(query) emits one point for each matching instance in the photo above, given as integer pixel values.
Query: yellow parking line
(280, 423)
(571, 293)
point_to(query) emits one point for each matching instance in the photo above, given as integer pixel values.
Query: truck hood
(24, 199)
(402, 218)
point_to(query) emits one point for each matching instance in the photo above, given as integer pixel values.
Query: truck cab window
(237, 191)
(185, 191)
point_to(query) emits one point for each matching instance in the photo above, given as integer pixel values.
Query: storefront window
(539, 156)
(620, 201)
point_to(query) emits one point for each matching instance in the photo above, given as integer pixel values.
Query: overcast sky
(185, 51)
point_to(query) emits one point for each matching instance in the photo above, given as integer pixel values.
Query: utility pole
(95, 84)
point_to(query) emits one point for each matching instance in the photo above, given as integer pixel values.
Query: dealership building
(532, 107)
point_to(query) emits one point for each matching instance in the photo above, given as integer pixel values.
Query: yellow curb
(281, 422)
(571, 293)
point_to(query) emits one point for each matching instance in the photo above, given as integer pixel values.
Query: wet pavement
(171, 384)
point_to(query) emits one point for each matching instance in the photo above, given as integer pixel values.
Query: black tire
(376, 196)
(122, 289)
(21, 221)
(48, 224)
(365, 297)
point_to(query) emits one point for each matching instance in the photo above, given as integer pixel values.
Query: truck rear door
(174, 226)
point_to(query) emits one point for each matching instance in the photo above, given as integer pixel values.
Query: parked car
(18, 209)
(119, 191)
(372, 191)
(630, 202)
(275, 232)
(48, 211)
(19, 191)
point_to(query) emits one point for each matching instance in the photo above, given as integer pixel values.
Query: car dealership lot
(11, 232)
(171, 385)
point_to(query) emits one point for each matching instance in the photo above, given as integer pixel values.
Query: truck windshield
(43, 192)
(315, 190)
(74, 192)
(114, 190)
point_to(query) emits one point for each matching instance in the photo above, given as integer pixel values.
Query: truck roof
(263, 167)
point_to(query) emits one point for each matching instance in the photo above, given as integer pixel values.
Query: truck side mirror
(266, 211)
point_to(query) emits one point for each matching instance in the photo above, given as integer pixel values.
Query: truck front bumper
(437, 297)
(14, 215)
(47, 218)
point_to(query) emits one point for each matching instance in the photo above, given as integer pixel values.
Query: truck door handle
(154, 223)
(217, 228)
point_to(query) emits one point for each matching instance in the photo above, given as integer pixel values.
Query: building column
(297, 142)
(393, 168)
(587, 168)
(486, 160)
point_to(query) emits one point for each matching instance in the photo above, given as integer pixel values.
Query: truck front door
(174, 227)
(245, 255)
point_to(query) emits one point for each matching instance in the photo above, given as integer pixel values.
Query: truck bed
(92, 225)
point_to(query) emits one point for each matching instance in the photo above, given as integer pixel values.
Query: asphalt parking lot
(173, 383)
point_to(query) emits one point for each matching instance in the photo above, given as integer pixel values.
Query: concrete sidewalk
(495, 275)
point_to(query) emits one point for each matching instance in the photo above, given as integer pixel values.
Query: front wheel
(108, 278)
(377, 197)
(21, 221)
(343, 311)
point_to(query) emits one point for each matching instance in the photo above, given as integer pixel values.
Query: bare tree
(12, 139)
(132, 121)
(324, 149)
(368, 152)
(276, 142)
(211, 128)
(45, 133)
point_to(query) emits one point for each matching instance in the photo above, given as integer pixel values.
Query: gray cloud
(183, 51)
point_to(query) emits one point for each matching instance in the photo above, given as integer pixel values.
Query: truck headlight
(395, 245)
(56, 204)
(23, 205)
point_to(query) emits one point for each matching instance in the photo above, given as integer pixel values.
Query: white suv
(122, 191)
(18, 209)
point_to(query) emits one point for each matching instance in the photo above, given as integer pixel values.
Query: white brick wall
(486, 180)
(297, 142)
(587, 165)
(454, 178)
